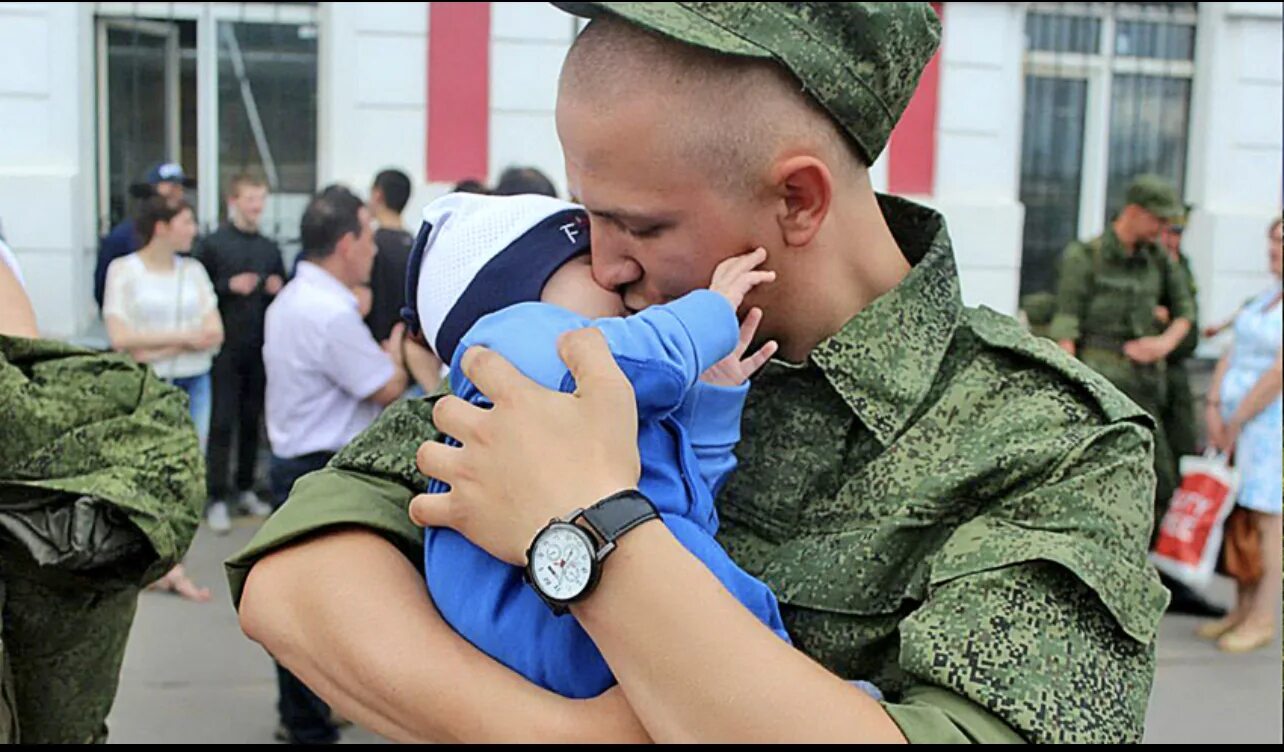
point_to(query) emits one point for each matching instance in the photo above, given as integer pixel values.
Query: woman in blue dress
(1244, 417)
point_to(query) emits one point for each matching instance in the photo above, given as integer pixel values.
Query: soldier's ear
(805, 188)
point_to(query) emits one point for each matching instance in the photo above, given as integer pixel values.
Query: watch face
(561, 562)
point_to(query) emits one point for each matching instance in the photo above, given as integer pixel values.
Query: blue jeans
(199, 399)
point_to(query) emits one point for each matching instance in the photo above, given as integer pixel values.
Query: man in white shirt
(327, 379)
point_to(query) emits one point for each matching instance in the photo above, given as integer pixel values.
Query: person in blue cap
(166, 179)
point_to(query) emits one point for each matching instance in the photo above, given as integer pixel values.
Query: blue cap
(169, 172)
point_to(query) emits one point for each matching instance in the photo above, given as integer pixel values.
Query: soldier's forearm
(349, 615)
(697, 665)
(1175, 333)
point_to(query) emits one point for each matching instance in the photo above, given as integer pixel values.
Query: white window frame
(173, 113)
(1098, 70)
(207, 17)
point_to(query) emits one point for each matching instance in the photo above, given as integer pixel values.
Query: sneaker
(218, 518)
(253, 505)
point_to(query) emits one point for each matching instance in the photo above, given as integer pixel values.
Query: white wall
(1237, 139)
(528, 44)
(373, 99)
(46, 156)
(978, 148)
(373, 114)
(373, 107)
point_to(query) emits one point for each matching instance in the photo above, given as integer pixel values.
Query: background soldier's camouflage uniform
(1179, 418)
(1107, 297)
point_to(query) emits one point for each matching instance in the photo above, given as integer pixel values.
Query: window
(220, 87)
(1107, 97)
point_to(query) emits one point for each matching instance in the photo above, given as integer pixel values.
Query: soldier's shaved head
(731, 115)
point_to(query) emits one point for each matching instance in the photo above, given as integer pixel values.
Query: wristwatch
(564, 562)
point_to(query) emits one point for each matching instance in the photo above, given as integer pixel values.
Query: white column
(46, 156)
(373, 103)
(978, 154)
(1236, 143)
(529, 41)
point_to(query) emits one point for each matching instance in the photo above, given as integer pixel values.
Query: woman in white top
(161, 308)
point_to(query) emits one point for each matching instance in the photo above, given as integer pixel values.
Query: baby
(513, 274)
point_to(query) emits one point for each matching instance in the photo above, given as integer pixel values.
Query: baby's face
(572, 287)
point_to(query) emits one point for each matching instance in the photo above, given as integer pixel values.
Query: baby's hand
(731, 370)
(735, 277)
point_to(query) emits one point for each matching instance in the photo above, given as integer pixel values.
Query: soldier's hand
(537, 454)
(1162, 315)
(1146, 350)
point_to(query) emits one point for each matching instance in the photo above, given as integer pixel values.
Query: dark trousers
(239, 384)
(305, 716)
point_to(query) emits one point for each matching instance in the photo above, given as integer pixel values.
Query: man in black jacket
(247, 271)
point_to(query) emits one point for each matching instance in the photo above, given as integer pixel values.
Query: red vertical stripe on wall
(911, 161)
(458, 91)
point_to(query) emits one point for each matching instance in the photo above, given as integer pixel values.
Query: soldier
(1179, 410)
(943, 504)
(101, 485)
(1108, 293)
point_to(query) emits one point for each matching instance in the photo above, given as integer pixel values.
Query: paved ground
(191, 677)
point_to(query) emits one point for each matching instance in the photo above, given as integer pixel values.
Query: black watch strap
(619, 513)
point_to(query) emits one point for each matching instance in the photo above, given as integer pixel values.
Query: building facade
(1024, 131)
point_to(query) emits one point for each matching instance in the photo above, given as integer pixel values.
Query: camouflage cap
(860, 61)
(1156, 195)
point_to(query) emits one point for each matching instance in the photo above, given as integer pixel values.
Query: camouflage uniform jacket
(944, 505)
(1105, 292)
(101, 487)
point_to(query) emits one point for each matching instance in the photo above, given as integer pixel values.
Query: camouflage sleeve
(369, 484)
(90, 440)
(1043, 610)
(1074, 283)
(930, 715)
(1190, 343)
(1181, 300)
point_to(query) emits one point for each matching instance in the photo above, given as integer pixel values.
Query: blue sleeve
(750, 591)
(662, 350)
(666, 348)
(526, 335)
(711, 416)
